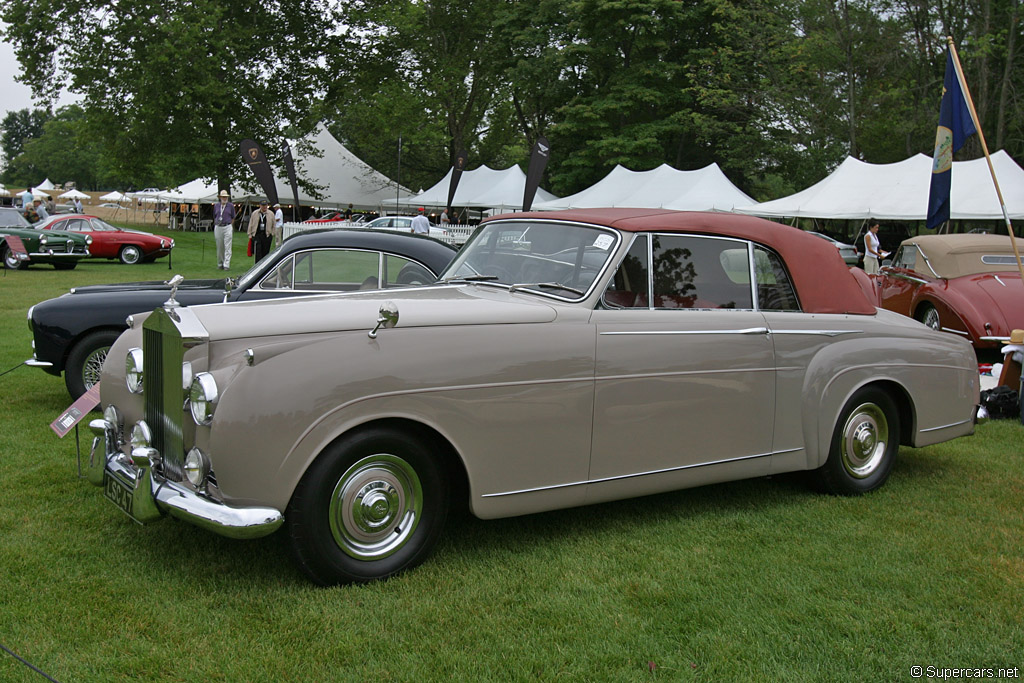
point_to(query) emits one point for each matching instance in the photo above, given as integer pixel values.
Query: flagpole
(984, 146)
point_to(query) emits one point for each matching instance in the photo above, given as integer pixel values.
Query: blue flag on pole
(955, 126)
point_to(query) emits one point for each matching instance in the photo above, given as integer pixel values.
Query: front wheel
(864, 444)
(929, 316)
(85, 362)
(130, 254)
(373, 504)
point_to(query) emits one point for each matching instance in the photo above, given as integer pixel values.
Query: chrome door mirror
(387, 318)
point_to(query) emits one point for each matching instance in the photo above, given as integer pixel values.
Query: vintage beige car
(563, 359)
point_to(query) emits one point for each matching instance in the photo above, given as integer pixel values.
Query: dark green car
(63, 249)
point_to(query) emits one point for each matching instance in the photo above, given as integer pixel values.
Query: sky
(15, 95)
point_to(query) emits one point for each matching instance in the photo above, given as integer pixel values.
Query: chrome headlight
(133, 370)
(88, 240)
(202, 398)
(30, 308)
(197, 467)
(142, 435)
(187, 375)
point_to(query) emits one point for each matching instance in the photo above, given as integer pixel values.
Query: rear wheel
(130, 254)
(85, 362)
(373, 504)
(929, 316)
(864, 444)
(11, 260)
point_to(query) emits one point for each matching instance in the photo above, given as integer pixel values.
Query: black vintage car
(72, 333)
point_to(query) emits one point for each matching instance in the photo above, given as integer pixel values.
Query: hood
(154, 285)
(420, 307)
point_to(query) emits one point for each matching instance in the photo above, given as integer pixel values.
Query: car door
(684, 383)
(898, 282)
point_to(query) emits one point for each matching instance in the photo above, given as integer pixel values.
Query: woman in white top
(872, 250)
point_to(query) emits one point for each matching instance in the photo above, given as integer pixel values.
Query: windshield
(560, 259)
(12, 218)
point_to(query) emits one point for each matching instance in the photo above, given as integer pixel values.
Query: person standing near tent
(278, 222)
(77, 204)
(872, 249)
(421, 224)
(223, 217)
(262, 231)
(26, 199)
(445, 221)
(51, 207)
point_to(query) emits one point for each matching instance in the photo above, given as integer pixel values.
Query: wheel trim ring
(865, 440)
(131, 254)
(11, 259)
(92, 366)
(375, 507)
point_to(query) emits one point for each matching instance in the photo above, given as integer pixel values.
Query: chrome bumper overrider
(153, 496)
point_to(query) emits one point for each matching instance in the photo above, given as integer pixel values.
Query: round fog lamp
(133, 370)
(142, 435)
(202, 398)
(197, 467)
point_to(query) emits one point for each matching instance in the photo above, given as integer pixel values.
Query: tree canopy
(777, 92)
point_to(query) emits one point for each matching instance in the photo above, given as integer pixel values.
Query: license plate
(118, 493)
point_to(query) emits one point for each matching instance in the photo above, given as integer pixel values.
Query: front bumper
(132, 484)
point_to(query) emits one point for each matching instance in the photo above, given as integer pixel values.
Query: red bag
(249, 250)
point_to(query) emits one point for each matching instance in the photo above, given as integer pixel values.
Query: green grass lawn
(759, 580)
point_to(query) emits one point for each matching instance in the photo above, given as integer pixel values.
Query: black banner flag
(289, 164)
(538, 161)
(254, 158)
(457, 169)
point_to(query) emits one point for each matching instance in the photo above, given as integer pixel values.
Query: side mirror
(387, 318)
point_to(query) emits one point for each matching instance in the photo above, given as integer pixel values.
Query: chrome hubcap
(865, 439)
(92, 368)
(375, 507)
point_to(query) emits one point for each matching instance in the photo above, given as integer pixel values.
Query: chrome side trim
(998, 339)
(645, 333)
(818, 333)
(952, 424)
(949, 329)
(630, 476)
(902, 276)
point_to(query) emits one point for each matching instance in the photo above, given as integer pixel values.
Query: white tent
(342, 177)
(899, 191)
(483, 188)
(706, 189)
(45, 185)
(115, 197)
(4, 192)
(192, 192)
(73, 194)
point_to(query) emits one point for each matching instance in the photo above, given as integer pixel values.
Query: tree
(18, 127)
(170, 89)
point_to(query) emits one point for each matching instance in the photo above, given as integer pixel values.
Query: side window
(628, 288)
(59, 225)
(700, 272)
(280, 277)
(77, 225)
(401, 272)
(775, 290)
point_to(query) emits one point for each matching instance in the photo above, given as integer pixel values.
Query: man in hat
(41, 211)
(278, 221)
(223, 217)
(421, 224)
(261, 231)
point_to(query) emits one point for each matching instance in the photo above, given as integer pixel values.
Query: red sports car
(965, 284)
(130, 246)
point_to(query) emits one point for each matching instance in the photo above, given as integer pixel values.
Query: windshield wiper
(472, 278)
(545, 285)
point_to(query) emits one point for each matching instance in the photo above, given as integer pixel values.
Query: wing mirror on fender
(387, 318)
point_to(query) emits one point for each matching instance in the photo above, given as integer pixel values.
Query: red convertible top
(823, 281)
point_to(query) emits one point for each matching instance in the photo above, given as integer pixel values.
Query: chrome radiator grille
(164, 396)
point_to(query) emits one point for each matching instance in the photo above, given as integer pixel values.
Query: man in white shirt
(278, 221)
(420, 224)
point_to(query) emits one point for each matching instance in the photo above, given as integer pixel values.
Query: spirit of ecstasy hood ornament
(173, 283)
